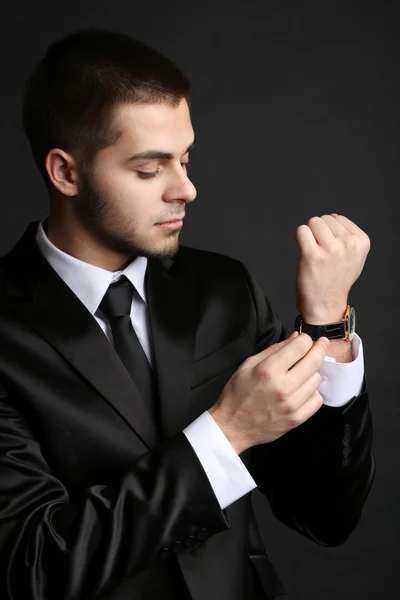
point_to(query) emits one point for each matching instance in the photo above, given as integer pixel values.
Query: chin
(168, 251)
(152, 250)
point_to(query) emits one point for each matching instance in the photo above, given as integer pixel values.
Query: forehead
(155, 124)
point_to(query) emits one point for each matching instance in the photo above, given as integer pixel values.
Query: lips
(171, 221)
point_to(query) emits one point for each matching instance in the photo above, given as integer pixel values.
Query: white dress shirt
(225, 470)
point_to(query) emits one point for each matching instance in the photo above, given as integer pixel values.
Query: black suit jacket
(92, 504)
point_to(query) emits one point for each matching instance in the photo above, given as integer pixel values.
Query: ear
(62, 171)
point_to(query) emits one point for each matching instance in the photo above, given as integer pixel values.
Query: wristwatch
(344, 329)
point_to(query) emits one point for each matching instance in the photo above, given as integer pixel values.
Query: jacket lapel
(172, 313)
(40, 297)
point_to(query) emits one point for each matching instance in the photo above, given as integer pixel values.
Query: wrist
(341, 351)
(340, 329)
(235, 438)
(322, 317)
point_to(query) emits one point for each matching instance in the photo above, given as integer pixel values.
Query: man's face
(122, 198)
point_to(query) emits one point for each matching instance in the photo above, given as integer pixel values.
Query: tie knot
(117, 300)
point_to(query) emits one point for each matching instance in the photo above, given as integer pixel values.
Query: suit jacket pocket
(228, 357)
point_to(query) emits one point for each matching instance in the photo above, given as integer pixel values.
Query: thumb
(256, 358)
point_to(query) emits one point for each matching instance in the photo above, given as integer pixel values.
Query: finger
(349, 225)
(336, 227)
(254, 360)
(321, 231)
(356, 232)
(306, 240)
(303, 393)
(308, 364)
(285, 357)
(293, 335)
(307, 409)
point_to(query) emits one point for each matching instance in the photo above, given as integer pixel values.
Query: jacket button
(189, 541)
(164, 553)
(346, 461)
(346, 451)
(202, 534)
(177, 546)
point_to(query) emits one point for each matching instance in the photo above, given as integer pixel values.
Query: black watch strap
(330, 330)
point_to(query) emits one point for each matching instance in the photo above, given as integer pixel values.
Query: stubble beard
(115, 231)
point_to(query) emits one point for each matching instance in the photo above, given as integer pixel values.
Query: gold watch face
(351, 325)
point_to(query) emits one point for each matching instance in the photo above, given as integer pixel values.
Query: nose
(180, 188)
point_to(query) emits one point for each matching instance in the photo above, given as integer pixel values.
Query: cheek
(127, 190)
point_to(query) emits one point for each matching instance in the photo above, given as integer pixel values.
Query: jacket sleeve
(318, 475)
(52, 547)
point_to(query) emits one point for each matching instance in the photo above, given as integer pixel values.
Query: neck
(69, 236)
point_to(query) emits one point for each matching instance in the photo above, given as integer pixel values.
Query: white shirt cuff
(342, 381)
(224, 468)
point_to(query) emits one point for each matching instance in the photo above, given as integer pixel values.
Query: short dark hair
(70, 94)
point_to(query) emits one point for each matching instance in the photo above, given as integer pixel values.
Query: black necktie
(116, 305)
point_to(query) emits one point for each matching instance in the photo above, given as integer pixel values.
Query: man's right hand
(271, 392)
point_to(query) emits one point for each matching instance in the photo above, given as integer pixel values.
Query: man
(146, 388)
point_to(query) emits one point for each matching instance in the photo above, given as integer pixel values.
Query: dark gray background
(296, 114)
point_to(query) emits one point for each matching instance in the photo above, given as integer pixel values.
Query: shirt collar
(87, 281)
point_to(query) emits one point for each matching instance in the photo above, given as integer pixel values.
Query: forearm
(52, 545)
(317, 476)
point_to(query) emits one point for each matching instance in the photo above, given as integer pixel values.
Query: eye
(154, 174)
(143, 175)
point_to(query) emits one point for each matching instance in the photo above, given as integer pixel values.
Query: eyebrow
(154, 154)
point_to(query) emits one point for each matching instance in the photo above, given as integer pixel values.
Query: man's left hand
(333, 251)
